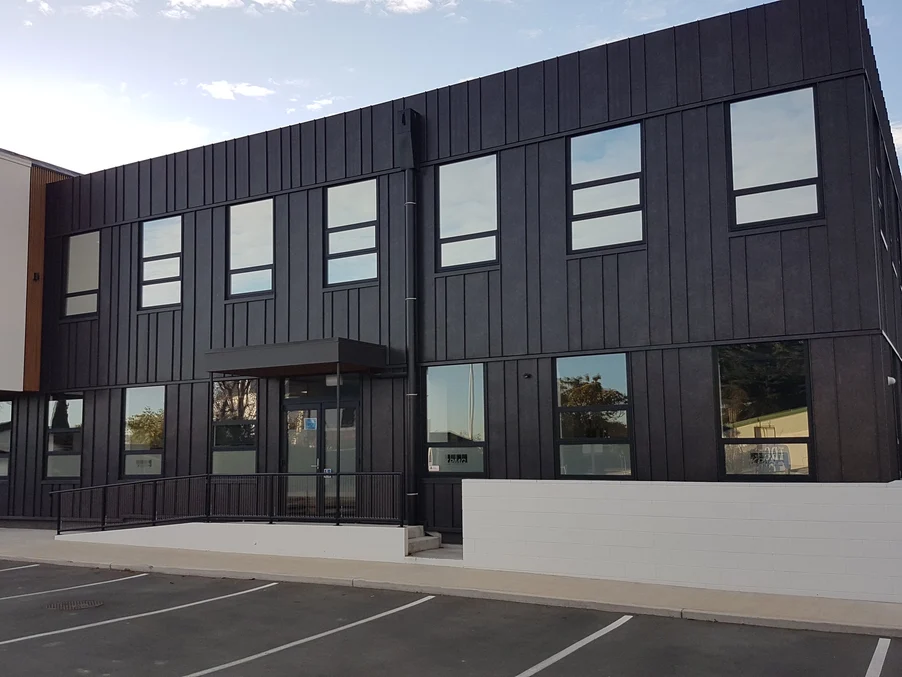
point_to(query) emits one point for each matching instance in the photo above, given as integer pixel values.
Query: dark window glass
(161, 268)
(322, 387)
(468, 208)
(64, 437)
(594, 411)
(606, 188)
(82, 273)
(250, 247)
(774, 149)
(234, 427)
(144, 425)
(6, 431)
(764, 408)
(455, 413)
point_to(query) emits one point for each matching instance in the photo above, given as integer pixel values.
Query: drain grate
(75, 606)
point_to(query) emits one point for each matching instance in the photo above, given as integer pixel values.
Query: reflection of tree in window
(145, 429)
(235, 400)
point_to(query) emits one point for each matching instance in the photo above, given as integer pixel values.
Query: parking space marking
(122, 619)
(72, 587)
(27, 566)
(551, 660)
(291, 645)
(879, 657)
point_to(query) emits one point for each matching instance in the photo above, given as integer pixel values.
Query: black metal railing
(340, 498)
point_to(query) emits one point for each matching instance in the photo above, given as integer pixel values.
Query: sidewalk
(813, 613)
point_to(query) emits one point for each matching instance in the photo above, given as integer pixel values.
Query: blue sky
(90, 84)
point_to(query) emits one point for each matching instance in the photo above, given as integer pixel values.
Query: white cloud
(181, 82)
(27, 23)
(221, 89)
(646, 10)
(606, 40)
(319, 104)
(205, 4)
(457, 18)
(176, 13)
(531, 33)
(43, 6)
(393, 6)
(276, 4)
(121, 8)
(289, 111)
(100, 129)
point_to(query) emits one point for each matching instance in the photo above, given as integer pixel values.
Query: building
(672, 257)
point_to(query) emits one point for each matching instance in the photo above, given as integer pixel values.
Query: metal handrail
(374, 498)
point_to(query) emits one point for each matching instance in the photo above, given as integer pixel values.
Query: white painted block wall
(831, 540)
(15, 188)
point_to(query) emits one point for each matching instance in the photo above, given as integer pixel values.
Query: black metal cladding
(692, 284)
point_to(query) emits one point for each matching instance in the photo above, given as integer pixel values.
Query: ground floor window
(455, 419)
(6, 431)
(234, 427)
(764, 409)
(64, 436)
(593, 431)
(144, 426)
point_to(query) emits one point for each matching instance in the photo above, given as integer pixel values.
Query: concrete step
(415, 532)
(422, 543)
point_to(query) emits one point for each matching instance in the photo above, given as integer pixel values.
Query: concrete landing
(876, 618)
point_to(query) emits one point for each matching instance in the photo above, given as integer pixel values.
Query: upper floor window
(6, 433)
(161, 262)
(250, 248)
(468, 212)
(764, 408)
(64, 424)
(83, 273)
(145, 417)
(593, 416)
(606, 188)
(455, 418)
(235, 427)
(351, 215)
(774, 148)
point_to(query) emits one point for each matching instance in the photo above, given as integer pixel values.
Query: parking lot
(73, 621)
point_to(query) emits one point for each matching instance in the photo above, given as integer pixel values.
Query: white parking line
(122, 619)
(73, 587)
(269, 652)
(27, 566)
(534, 670)
(879, 657)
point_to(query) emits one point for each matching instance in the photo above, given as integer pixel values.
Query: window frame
(161, 257)
(231, 272)
(621, 178)
(143, 452)
(817, 181)
(559, 441)
(95, 292)
(495, 233)
(9, 452)
(217, 424)
(722, 475)
(484, 445)
(329, 257)
(48, 431)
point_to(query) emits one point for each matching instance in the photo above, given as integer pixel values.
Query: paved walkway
(813, 613)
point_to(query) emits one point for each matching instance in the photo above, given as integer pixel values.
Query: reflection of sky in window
(613, 152)
(611, 368)
(156, 270)
(84, 262)
(773, 139)
(246, 283)
(352, 240)
(607, 230)
(352, 203)
(606, 196)
(163, 236)
(468, 197)
(163, 294)
(352, 268)
(70, 418)
(776, 204)
(454, 400)
(139, 399)
(6, 412)
(250, 235)
(468, 251)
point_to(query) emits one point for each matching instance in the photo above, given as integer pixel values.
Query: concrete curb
(497, 595)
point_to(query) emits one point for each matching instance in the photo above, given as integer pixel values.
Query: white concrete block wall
(831, 540)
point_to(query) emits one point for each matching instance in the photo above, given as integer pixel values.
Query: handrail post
(272, 497)
(103, 509)
(337, 499)
(153, 510)
(209, 497)
(402, 504)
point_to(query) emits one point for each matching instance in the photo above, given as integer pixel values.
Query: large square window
(234, 448)
(82, 274)
(775, 160)
(468, 212)
(764, 409)
(161, 262)
(352, 235)
(593, 410)
(455, 419)
(250, 248)
(145, 431)
(606, 188)
(64, 436)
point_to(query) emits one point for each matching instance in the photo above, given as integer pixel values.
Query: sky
(90, 84)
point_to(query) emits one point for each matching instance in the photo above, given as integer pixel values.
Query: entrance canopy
(301, 358)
